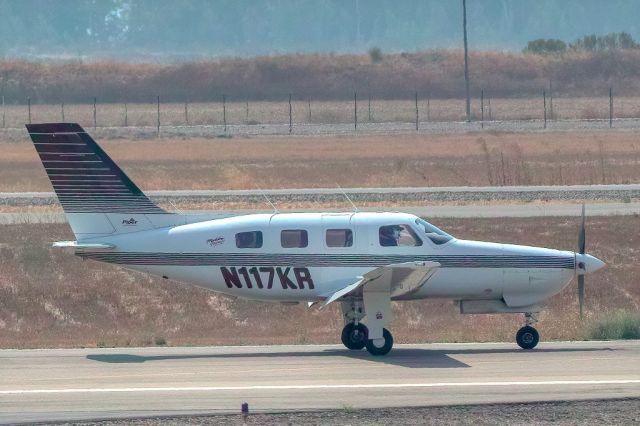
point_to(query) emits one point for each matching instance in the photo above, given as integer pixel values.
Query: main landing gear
(527, 337)
(355, 335)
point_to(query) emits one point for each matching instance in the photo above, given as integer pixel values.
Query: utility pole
(466, 60)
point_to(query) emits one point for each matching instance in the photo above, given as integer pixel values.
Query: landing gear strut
(528, 337)
(356, 335)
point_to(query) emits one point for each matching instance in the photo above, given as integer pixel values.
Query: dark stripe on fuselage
(328, 260)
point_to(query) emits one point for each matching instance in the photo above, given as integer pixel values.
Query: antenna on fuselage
(275, 209)
(355, 209)
(176, 208)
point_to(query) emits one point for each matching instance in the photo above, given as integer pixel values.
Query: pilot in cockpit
(390, 235)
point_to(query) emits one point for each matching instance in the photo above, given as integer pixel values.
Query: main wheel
(527, 337)
(377, 349)
(354, 337)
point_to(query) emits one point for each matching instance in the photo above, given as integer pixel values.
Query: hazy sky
(182, 28)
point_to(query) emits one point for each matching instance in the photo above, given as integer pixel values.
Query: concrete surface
(67, 384)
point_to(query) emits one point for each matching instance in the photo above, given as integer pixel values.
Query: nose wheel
(527, 337)
(355, 336)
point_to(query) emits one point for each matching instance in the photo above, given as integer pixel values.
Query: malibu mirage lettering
(265, 277)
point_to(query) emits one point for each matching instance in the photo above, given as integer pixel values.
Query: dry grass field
(472, 159)
(277, 112)
(49, 298)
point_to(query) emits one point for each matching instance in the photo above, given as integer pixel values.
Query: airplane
(363, 260)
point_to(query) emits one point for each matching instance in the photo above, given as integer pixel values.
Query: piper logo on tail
(131, 221)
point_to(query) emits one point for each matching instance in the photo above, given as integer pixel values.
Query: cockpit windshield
(435, 234)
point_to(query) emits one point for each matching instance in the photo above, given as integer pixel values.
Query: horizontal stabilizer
(88, 246)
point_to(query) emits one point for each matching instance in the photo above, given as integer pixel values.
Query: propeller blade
(581, 292)
(581, 235)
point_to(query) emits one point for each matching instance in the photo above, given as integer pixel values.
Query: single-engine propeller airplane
(362, 260)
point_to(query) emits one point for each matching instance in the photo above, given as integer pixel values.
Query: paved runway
(97, 383)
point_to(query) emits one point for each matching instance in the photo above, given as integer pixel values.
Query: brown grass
(52, 299)
(355, 161)
(329, 77)
(277, 112)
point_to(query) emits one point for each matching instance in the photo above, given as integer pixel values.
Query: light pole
(466, 59)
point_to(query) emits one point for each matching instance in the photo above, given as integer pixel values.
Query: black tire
(388, 344)
(354, 337)
(527, 337)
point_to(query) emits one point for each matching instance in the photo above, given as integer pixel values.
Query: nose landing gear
(527, 337)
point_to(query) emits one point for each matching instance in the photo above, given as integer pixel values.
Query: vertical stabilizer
(96, 195)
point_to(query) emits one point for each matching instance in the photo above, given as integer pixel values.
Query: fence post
(417, 116)
(290, 116)
(3, 114)
(62, 111)
(355, 110)
(370, 108)
(429, 108)
(126, 115)
(309, 106)
(224, 112)
(482, 108)
(544, 104)
(95, 114)
(186, 113)
(29, 108)
(550, 100)
(158, 103)
(610, 107)
(246, 115)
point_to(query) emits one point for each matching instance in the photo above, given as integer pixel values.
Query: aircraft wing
(398, 279)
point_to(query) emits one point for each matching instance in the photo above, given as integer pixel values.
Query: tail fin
(96, 195)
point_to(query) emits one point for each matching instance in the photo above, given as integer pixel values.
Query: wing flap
(399, 279)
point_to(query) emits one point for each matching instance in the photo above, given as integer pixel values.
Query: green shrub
(375, 53)
(543, 46)
(617, 325)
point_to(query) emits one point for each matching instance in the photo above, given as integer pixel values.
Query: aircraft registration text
(264, 277)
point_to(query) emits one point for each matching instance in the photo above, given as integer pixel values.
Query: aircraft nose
(588, 264)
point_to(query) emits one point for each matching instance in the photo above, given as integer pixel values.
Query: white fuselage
(206, 254)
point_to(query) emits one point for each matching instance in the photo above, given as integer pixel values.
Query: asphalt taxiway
(72, 384)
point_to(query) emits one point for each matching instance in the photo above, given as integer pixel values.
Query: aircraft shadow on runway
(404, 357)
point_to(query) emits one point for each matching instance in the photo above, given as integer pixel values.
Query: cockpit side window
(398, 236)
(435, 234)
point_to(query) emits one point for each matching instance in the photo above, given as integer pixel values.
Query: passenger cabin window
(398, 235)
(251, 239)
(294, 238)
(339, 237)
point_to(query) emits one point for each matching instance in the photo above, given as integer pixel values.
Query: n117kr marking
(233, 277)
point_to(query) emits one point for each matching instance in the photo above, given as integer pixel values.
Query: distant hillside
(434, 73)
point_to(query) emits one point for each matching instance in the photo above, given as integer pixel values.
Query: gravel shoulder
(601, 412)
